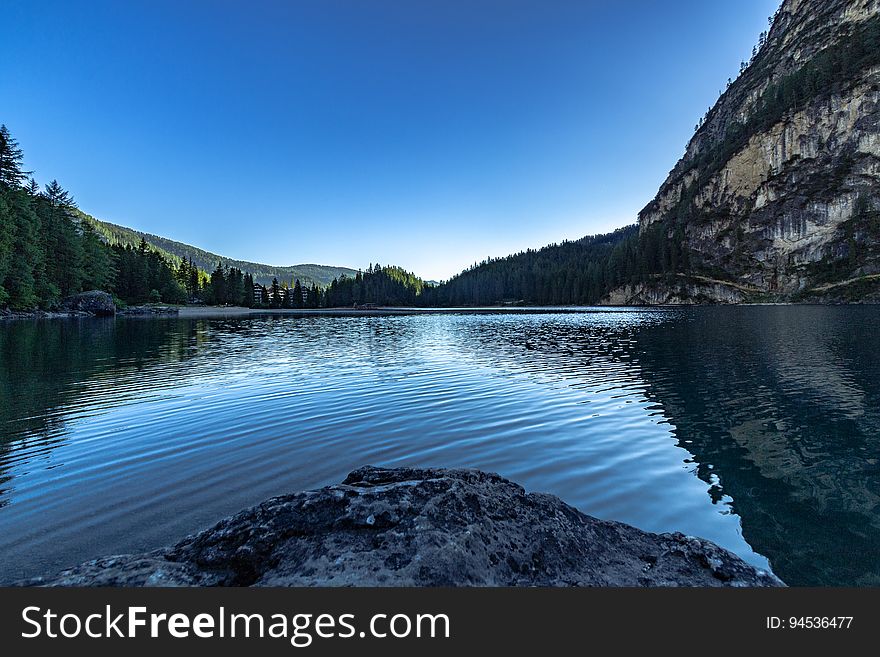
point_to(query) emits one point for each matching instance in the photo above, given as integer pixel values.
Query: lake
(755, 427)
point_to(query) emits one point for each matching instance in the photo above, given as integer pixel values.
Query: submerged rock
(94, 302)
(421, 527)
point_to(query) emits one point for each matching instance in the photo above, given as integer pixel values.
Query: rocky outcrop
(779, 188)
(148, 310)
(415, 527)
(94, 302)
(677, 290)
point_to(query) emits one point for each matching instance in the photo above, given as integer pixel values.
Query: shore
(241, 311)
(196, 312)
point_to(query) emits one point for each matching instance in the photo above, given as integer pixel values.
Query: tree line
(47, 253)
(577, 272)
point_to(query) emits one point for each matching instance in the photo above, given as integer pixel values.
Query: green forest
(46, 254)
(175, 251)
(49, 250)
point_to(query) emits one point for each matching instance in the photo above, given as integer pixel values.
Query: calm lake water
(755, 427)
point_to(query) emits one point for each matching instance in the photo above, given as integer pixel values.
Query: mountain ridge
(779, 187)
(174, 250)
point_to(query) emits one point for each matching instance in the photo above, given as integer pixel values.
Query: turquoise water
(755, 427)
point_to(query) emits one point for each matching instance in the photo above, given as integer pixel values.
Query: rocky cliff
(778, 194)
(411, 527)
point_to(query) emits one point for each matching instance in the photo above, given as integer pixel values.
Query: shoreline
(187, 312)
(207, 312)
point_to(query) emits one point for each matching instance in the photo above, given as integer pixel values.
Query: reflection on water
(781, 406)
(754, 427)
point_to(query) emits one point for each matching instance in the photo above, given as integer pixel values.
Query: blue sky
(424, 133)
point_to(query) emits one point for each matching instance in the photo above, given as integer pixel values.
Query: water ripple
(756, 428)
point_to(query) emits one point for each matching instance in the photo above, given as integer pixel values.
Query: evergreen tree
(314, 297)
(99, 270)
(275, 295)
(61, 242)
(297, 301)
(11, 158)
(216, 294)
(247, 298)
(194, 287)
(6, 245)
(235, 287)
(23, 258)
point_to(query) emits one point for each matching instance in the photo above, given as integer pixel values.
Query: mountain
(777, 197)
(578, 272)
(207, 261)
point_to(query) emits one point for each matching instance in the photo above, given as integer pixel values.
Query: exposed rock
(414, 527)
(94, 302)
(148, 310)
(41, 314)
(677, 291)
(796, 204)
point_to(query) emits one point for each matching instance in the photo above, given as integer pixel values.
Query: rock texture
(678, 290)
(795, 203)
(148, 310)
(413, 527)
(94, 302)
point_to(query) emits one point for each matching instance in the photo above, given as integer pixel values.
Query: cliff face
(778, 194)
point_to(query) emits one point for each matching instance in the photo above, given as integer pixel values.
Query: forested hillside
(46, 253)
(49, 249)
(206, 261)
(579, 272)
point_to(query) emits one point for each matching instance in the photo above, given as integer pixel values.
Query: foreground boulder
(413, 527)
(94, 302)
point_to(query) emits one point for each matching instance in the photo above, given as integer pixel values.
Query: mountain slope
(576, 272)
(207, 261)
(778, 194)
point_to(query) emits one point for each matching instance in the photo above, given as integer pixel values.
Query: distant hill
(207, 261)
(576, 272)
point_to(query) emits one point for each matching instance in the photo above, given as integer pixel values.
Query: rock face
(94, 302)
(148, 310)
(412, 527)
(677, 291)
(779, 188)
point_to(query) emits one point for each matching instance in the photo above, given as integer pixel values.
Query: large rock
(94, 302)
(411, 527)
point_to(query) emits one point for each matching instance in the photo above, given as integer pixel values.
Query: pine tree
(217, 286)
(297, 295)
(24, 269)
(62, 245)
(247, 298)
(99, 271)
(275, 296)
(7, 245)
(11, 158)
(194, 287)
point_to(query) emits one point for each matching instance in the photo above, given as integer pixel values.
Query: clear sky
(424, 133)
